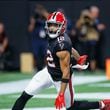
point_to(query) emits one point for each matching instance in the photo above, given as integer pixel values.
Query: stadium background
(15, 15)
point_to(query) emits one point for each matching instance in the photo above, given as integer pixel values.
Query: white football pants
(43, 80)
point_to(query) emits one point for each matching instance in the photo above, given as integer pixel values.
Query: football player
(59, 70)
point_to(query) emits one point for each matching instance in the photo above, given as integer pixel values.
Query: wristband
(65, 80)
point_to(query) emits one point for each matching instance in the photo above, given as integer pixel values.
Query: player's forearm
(5, 43)
(66, 72)
(32, 24)
(45, 14)
(65, 80)
(64, 58)
(63, 87)
(31, 27)
(75, 54)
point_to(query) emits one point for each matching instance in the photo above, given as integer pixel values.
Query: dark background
(15, 15)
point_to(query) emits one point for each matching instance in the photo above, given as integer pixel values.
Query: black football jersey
(58, 44)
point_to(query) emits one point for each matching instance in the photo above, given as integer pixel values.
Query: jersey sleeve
(62, 46)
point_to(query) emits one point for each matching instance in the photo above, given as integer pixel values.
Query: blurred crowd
(5, 50)
(89, 30)
(85, 34)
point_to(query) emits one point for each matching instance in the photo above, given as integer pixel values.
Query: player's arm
(64, 59)
(4, 45)
(45, 13)
(75, 54)
(32, 24)
(80, 59)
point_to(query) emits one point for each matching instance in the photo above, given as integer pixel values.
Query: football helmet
(57, 21)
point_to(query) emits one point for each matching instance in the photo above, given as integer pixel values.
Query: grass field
(87, 90)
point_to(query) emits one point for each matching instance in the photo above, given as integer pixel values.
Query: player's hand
(60, 101)
(82, 60)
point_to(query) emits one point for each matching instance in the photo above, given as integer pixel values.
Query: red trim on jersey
(71, 91)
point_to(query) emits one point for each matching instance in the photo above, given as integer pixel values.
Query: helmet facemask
(53, 29)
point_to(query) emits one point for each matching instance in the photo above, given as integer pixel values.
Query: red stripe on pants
(71, 91)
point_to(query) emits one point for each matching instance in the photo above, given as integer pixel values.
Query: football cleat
(105, 104)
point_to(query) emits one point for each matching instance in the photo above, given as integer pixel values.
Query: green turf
(6, 101)
(13, 76)
(85, 88)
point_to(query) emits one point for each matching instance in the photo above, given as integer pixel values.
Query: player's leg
(84, 105)
(21, 101)
(88, 105)
(40, 81)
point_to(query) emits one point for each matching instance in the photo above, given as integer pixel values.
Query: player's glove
(60, 101)
(82, 59)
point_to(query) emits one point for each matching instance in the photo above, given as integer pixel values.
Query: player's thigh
(69, 93)
(40, 81)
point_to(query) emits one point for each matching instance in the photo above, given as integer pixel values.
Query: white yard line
(77, 80)
(18, 86)
(13, 86)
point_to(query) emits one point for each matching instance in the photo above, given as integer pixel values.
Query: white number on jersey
(50, 59)
(60, 39)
